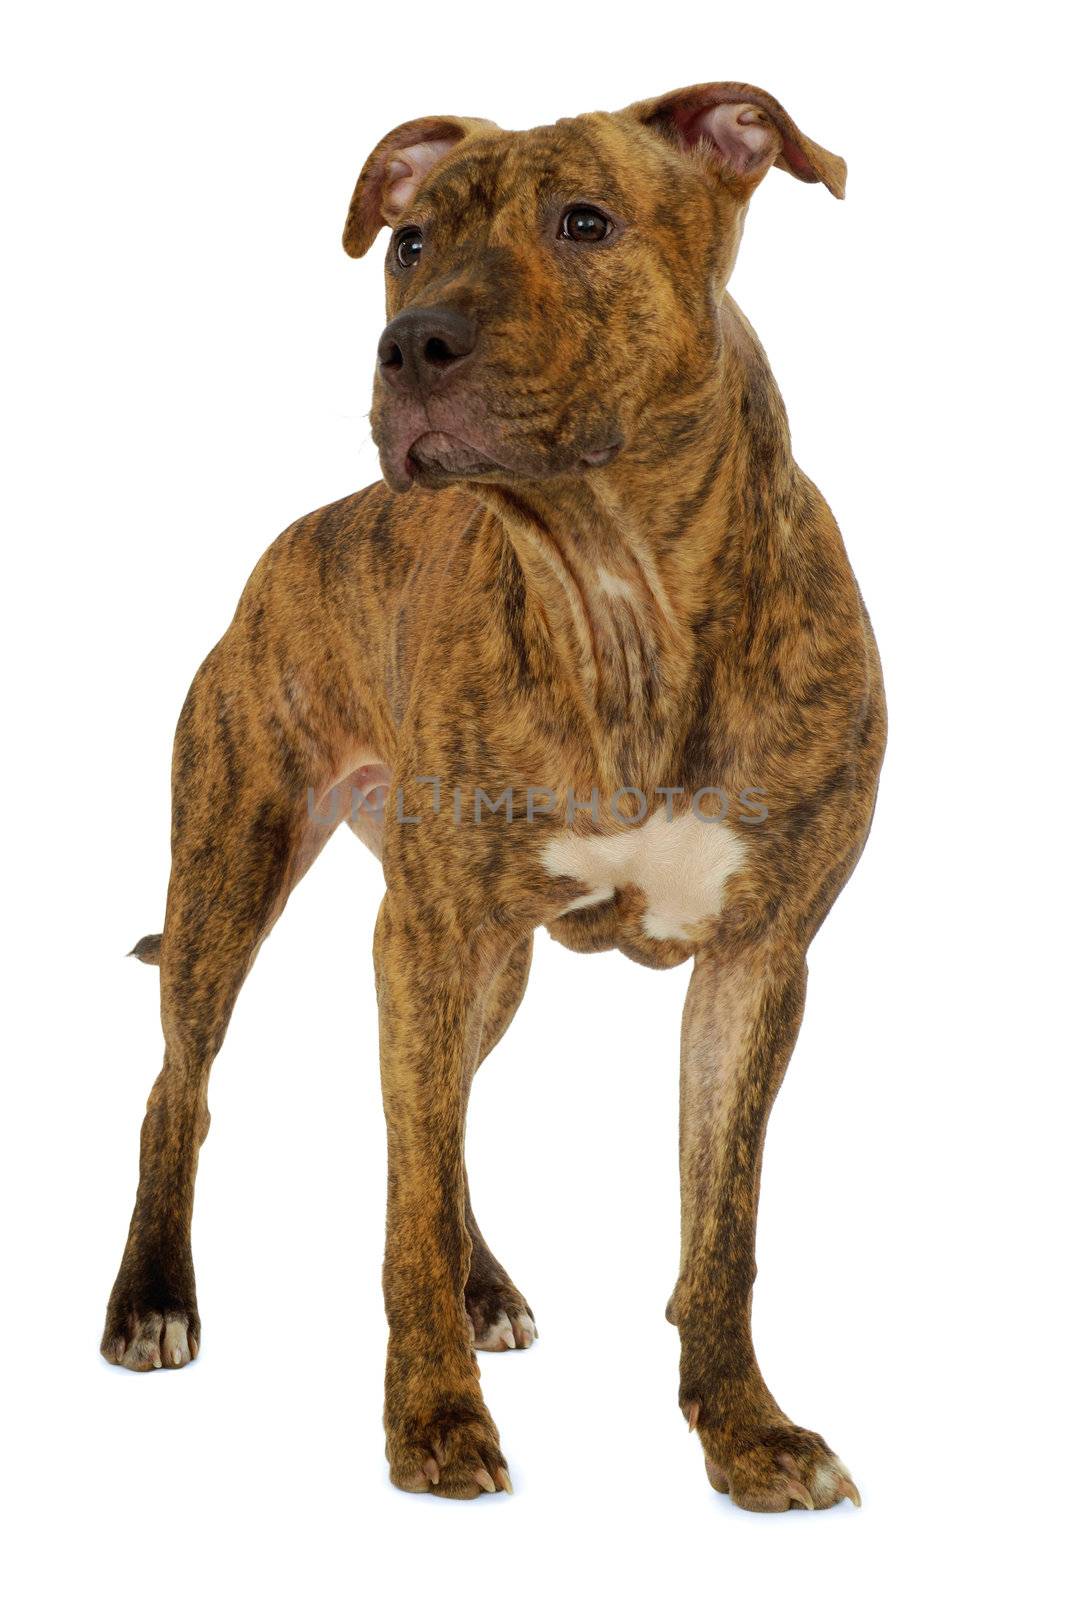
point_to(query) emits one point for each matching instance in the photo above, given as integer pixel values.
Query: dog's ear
(742, 131)
(396, 169)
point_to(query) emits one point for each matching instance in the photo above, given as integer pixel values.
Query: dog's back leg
(499, 1314)
(241, 837)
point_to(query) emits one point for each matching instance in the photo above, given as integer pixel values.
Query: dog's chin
(435, 459)
(432, 459)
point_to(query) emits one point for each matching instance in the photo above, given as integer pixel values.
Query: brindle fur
(467, 635)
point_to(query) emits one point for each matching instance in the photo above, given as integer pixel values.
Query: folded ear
(395, 171)
(743, 131)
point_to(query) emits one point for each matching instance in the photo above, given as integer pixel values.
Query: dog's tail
(147, 949)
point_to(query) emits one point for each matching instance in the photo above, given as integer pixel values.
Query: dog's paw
(147, 1341)
(499, 1317)
(455, 1453)
(774, 1468)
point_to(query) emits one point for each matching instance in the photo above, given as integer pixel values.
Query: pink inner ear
(405, 171)
(742, 134)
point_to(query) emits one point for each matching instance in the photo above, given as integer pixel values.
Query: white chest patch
(681, 867)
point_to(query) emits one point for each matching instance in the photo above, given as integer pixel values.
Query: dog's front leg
(741, 1020)
(431, 995)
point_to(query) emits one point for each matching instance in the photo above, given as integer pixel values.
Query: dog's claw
(431, 1469)
(849, 1490)
(525, 1331)
(798, 1492)
(693, 1414)
(503, 1478)
(482, 1477)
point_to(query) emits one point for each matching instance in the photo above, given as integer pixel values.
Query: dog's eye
(585, 224)
(408, 246)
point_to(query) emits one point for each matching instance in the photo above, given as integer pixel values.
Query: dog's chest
(681, 868)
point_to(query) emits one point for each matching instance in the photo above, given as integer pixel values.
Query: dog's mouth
(437, 458)
(442, 455)
(441, 443)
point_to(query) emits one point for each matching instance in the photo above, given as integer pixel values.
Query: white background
(188, 360)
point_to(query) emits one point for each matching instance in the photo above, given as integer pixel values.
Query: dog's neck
(628, 572)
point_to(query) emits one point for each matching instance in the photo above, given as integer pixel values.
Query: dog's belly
(652, 890)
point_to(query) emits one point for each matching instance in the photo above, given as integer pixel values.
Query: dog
(592, 658)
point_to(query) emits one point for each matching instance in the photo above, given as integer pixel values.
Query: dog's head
(552, 295)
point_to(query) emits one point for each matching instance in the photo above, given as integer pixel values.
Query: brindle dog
(624, 605)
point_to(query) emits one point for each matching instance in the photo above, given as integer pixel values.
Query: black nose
(422, 347)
